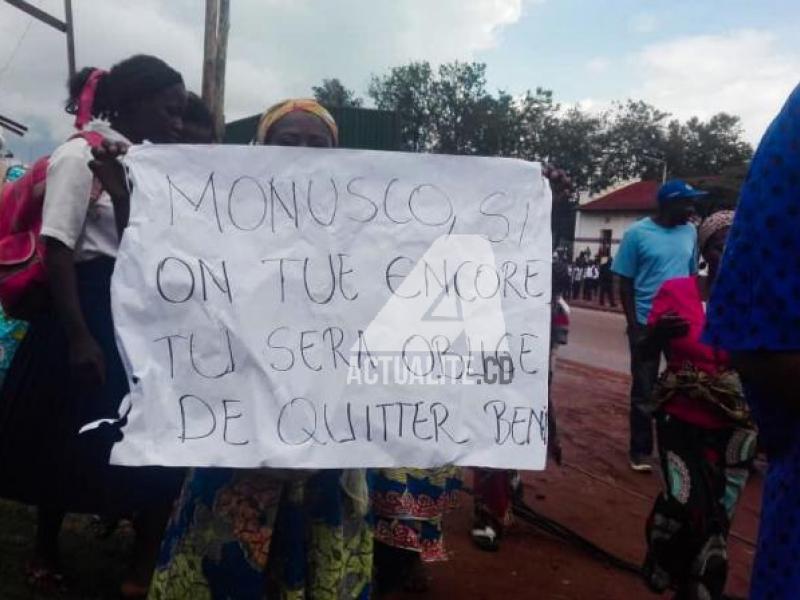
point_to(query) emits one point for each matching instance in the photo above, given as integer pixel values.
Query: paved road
(597, 339)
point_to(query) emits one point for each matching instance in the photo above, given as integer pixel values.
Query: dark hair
(197, 112)
(130, 81)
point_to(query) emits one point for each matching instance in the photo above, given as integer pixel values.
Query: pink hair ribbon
(86, 99)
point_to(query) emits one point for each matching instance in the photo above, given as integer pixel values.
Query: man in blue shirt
(652, 251)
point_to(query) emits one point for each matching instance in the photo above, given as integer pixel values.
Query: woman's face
(159, 118)
(300, 128)
(715, 246)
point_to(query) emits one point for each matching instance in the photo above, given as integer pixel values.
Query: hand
(86, 361)
(670, 326)
(107, 168)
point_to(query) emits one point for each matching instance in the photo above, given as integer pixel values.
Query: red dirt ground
(595, 494)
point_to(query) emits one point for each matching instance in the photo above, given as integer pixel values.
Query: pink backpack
(23, 281)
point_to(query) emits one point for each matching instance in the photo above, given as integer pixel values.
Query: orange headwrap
(276, 112)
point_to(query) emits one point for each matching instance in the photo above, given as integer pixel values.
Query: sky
(687, 57)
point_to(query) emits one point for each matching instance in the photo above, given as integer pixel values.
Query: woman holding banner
(239, 533)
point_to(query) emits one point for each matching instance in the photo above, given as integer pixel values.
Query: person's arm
(772, 373)
(66, 202)
(627, 298)
(85, 356)
(106, 167)
(664, 323)
(625, 266)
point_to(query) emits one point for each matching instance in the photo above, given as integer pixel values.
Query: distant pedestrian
(652, 251)
(607, 284)
(568, 289)
(590, 281)
(577, 280)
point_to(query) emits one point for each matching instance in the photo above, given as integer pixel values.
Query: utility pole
(48, 19)
(215, 53)
(70, 37)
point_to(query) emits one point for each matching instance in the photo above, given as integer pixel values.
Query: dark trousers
(644, 374)
(607, 292)
(588, 289)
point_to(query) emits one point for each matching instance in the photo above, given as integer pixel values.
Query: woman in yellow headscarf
(238, 533)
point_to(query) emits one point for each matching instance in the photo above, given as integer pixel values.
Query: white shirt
(68, 216)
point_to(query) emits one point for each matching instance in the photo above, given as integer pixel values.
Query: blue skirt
(43, 460)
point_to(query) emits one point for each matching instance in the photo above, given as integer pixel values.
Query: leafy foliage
(450, 109)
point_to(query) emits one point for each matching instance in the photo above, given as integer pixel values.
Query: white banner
(308, 308)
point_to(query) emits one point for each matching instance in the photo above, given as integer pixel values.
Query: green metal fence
(358, 128)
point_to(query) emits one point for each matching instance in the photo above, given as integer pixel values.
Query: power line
(16, 49)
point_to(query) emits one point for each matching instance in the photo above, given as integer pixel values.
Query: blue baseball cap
(677, 189)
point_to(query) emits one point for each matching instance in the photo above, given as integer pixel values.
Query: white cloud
(598, 65)
(277, 47)
(643, 23)
(741, 72)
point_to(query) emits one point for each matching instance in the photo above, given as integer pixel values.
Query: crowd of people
(730, 340)
(591, 279)
(208, 532)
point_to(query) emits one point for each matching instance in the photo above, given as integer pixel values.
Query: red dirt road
(594, 494)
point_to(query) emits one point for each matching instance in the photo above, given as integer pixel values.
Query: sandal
(485, 538)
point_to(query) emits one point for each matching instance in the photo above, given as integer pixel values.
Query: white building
(603, 219)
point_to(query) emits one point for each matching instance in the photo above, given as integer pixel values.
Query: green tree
(461, 107)
(573, 143)
(408, 91)
(635, 135)
(697, 148)
(536, 115)
(499, 131)
(450, 110)
(333, 93)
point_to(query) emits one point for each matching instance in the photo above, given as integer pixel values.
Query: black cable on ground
(559, 531)
(548, 525)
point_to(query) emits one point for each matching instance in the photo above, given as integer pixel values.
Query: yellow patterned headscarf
(277, 111)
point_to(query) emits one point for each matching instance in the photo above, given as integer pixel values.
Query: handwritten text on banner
(314, 308)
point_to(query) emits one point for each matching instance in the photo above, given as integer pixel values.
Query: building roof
(639, 196)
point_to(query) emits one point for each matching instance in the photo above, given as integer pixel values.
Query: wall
(589, 225)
